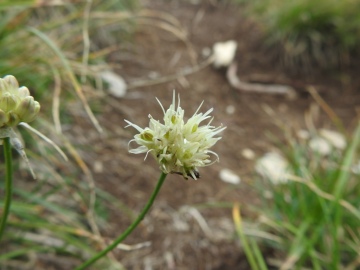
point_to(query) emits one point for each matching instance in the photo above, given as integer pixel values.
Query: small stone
(229, 176)
(303, 134)
(224, 53)
(320, 146)
(98, 166)
(230, 109)
(334, 138)
(206, 52)
(116, 84)
(355, 168)
(274, 167)
(248, 154)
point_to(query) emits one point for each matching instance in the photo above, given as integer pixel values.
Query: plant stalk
(128, 231)
(8, 184)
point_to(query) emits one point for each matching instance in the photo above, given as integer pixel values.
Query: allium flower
(177, 146)
(17, 107)
(16, 104)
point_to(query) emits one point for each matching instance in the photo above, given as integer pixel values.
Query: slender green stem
(129, 229)
(8, 185)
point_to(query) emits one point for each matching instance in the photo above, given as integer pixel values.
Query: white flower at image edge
(177, 146)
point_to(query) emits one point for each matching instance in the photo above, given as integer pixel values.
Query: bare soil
(190, 225)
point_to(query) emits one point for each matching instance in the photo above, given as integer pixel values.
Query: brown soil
(178, 238)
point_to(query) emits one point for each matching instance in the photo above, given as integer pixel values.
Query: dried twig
(326, 108)
(85, 33)
(56, 101)
(235, 82)
(180, 74)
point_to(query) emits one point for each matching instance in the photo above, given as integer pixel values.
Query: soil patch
(190, 224)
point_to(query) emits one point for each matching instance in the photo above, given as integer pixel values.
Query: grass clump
(322, 33)
(311, 215)
(57, 51)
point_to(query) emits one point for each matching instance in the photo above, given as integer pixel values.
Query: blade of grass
(339, 191)
(258, 255)
(297, 247)
(20, 252)
(10, 4)
(67, 215)
(240, 231)
(70, 74)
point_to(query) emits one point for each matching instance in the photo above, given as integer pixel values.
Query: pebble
(273, 166)
(248, 153)
(116, 84)
(229, 176)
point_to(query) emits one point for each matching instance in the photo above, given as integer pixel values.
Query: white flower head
(178, 146)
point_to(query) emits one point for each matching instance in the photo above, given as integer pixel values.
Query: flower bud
(28, 109)
(24, 91)
(7, 102)
(11, 81)
(3, 118)
(13, 119)
(3, 87)
(16, 104)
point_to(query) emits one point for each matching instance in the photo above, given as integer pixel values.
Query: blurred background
(288, 92)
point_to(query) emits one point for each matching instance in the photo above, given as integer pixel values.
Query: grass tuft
(322, 33)
(315, 211)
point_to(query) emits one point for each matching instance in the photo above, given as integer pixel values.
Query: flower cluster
(16, 104)
(177, 146)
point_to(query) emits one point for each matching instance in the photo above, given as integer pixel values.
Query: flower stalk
(16, 105)
(8, 185)
(130, 229)
(178, 147)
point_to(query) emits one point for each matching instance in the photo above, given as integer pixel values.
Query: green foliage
(44, 45)
(323, 32)
(45, 49)
(316, 212)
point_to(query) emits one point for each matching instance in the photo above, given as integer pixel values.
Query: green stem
(8, 185)
(129, 229)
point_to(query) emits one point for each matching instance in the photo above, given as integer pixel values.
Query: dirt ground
(190, 224)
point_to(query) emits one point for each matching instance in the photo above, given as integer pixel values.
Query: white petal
(141, 149)
(134, 126)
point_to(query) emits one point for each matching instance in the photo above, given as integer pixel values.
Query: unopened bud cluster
(16, 104)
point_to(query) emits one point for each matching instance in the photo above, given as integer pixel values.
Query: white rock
(355, 168)
(320, 146)
(116, 84)
(224, 53)
(334, 138)
(98, 166)
(206, 52)
(303, 134)
(230, 109)
(248, 153)
(274, 167)
(229, 176)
